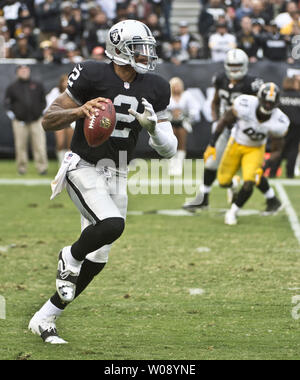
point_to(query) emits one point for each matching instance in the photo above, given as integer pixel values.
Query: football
(98, 128)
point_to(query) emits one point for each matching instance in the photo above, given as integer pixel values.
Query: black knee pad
(248, 186)
(112, 228)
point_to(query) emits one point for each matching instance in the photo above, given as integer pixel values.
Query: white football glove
(148, 119)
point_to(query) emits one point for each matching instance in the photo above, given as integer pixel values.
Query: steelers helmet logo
(115, 36)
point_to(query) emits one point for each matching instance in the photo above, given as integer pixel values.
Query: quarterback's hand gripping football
(210, 151)
(148, 118)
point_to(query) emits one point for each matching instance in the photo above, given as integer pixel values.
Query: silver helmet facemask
(141, 49)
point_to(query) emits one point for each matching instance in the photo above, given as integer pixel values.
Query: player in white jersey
(255, 118)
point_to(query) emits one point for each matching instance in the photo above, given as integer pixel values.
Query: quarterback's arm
(163, 139)
(227, 120)
(64, 110)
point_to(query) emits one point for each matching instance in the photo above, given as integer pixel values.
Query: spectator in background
(25, 101)
(152, 22)
(64, 136)
(183, 110)
(48, 54)
(73, 54)
(48, 14)
(11, 11)
(27, 28)
(258, 26)
(292, 28)
(259, 11)
(139, 9)
(24, 13)
(97, 32)
(285, 18)
(209, 16)
(22, 49)
(109, 7)
(246, 39)
(274, 45)
(79, 21)
(195, 51)
(5, 40)
(167, 9)
(245, 9)
(220, 42)
(290, 105)
(185, 36)
(216, 9)
(98, 53)
(175, 54)
(157, 6)
(68, 24)
(121, 13)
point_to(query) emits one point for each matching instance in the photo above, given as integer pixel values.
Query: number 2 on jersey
(124, 118)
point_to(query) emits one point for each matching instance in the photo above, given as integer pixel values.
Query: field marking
(141, 182)
(289, 209)
(181, 212)
(25, 182)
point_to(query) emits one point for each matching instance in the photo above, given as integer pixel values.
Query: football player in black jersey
(231, 83)
(95, 178)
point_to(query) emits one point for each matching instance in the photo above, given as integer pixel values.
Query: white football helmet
(236, 64)
(129, 39)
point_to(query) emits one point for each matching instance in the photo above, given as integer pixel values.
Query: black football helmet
(268, 96)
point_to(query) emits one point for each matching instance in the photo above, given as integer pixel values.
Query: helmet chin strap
(264, 111)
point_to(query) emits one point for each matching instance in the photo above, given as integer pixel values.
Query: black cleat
(273, 206)
(199, 202)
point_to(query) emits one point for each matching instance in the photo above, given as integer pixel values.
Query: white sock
(181, 155)
(71, 260)
(270, 193)
(234, 208)
(48, 310)
(205, 189)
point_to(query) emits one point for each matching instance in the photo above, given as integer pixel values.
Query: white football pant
(98, 193)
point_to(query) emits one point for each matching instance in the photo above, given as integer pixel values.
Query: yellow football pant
(236, 156)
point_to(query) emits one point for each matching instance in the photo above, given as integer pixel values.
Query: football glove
(210, 151)
(148, 119)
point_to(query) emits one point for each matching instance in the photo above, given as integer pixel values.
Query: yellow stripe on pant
(236, 156)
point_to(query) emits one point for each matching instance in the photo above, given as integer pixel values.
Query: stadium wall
(196, 76)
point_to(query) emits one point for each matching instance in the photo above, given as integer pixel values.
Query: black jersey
(227, 92)
(290, 105)
(92, 79)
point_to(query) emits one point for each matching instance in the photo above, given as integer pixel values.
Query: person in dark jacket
(25, 101)
(290, 105)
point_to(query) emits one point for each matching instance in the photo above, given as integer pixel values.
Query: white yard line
(289, 209)
(141, 182)
(25, 182)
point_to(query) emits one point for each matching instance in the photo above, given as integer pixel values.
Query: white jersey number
(74, 75)
(125, 118)
(253, 135)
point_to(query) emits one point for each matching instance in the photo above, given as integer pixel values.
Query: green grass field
(140, 307)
